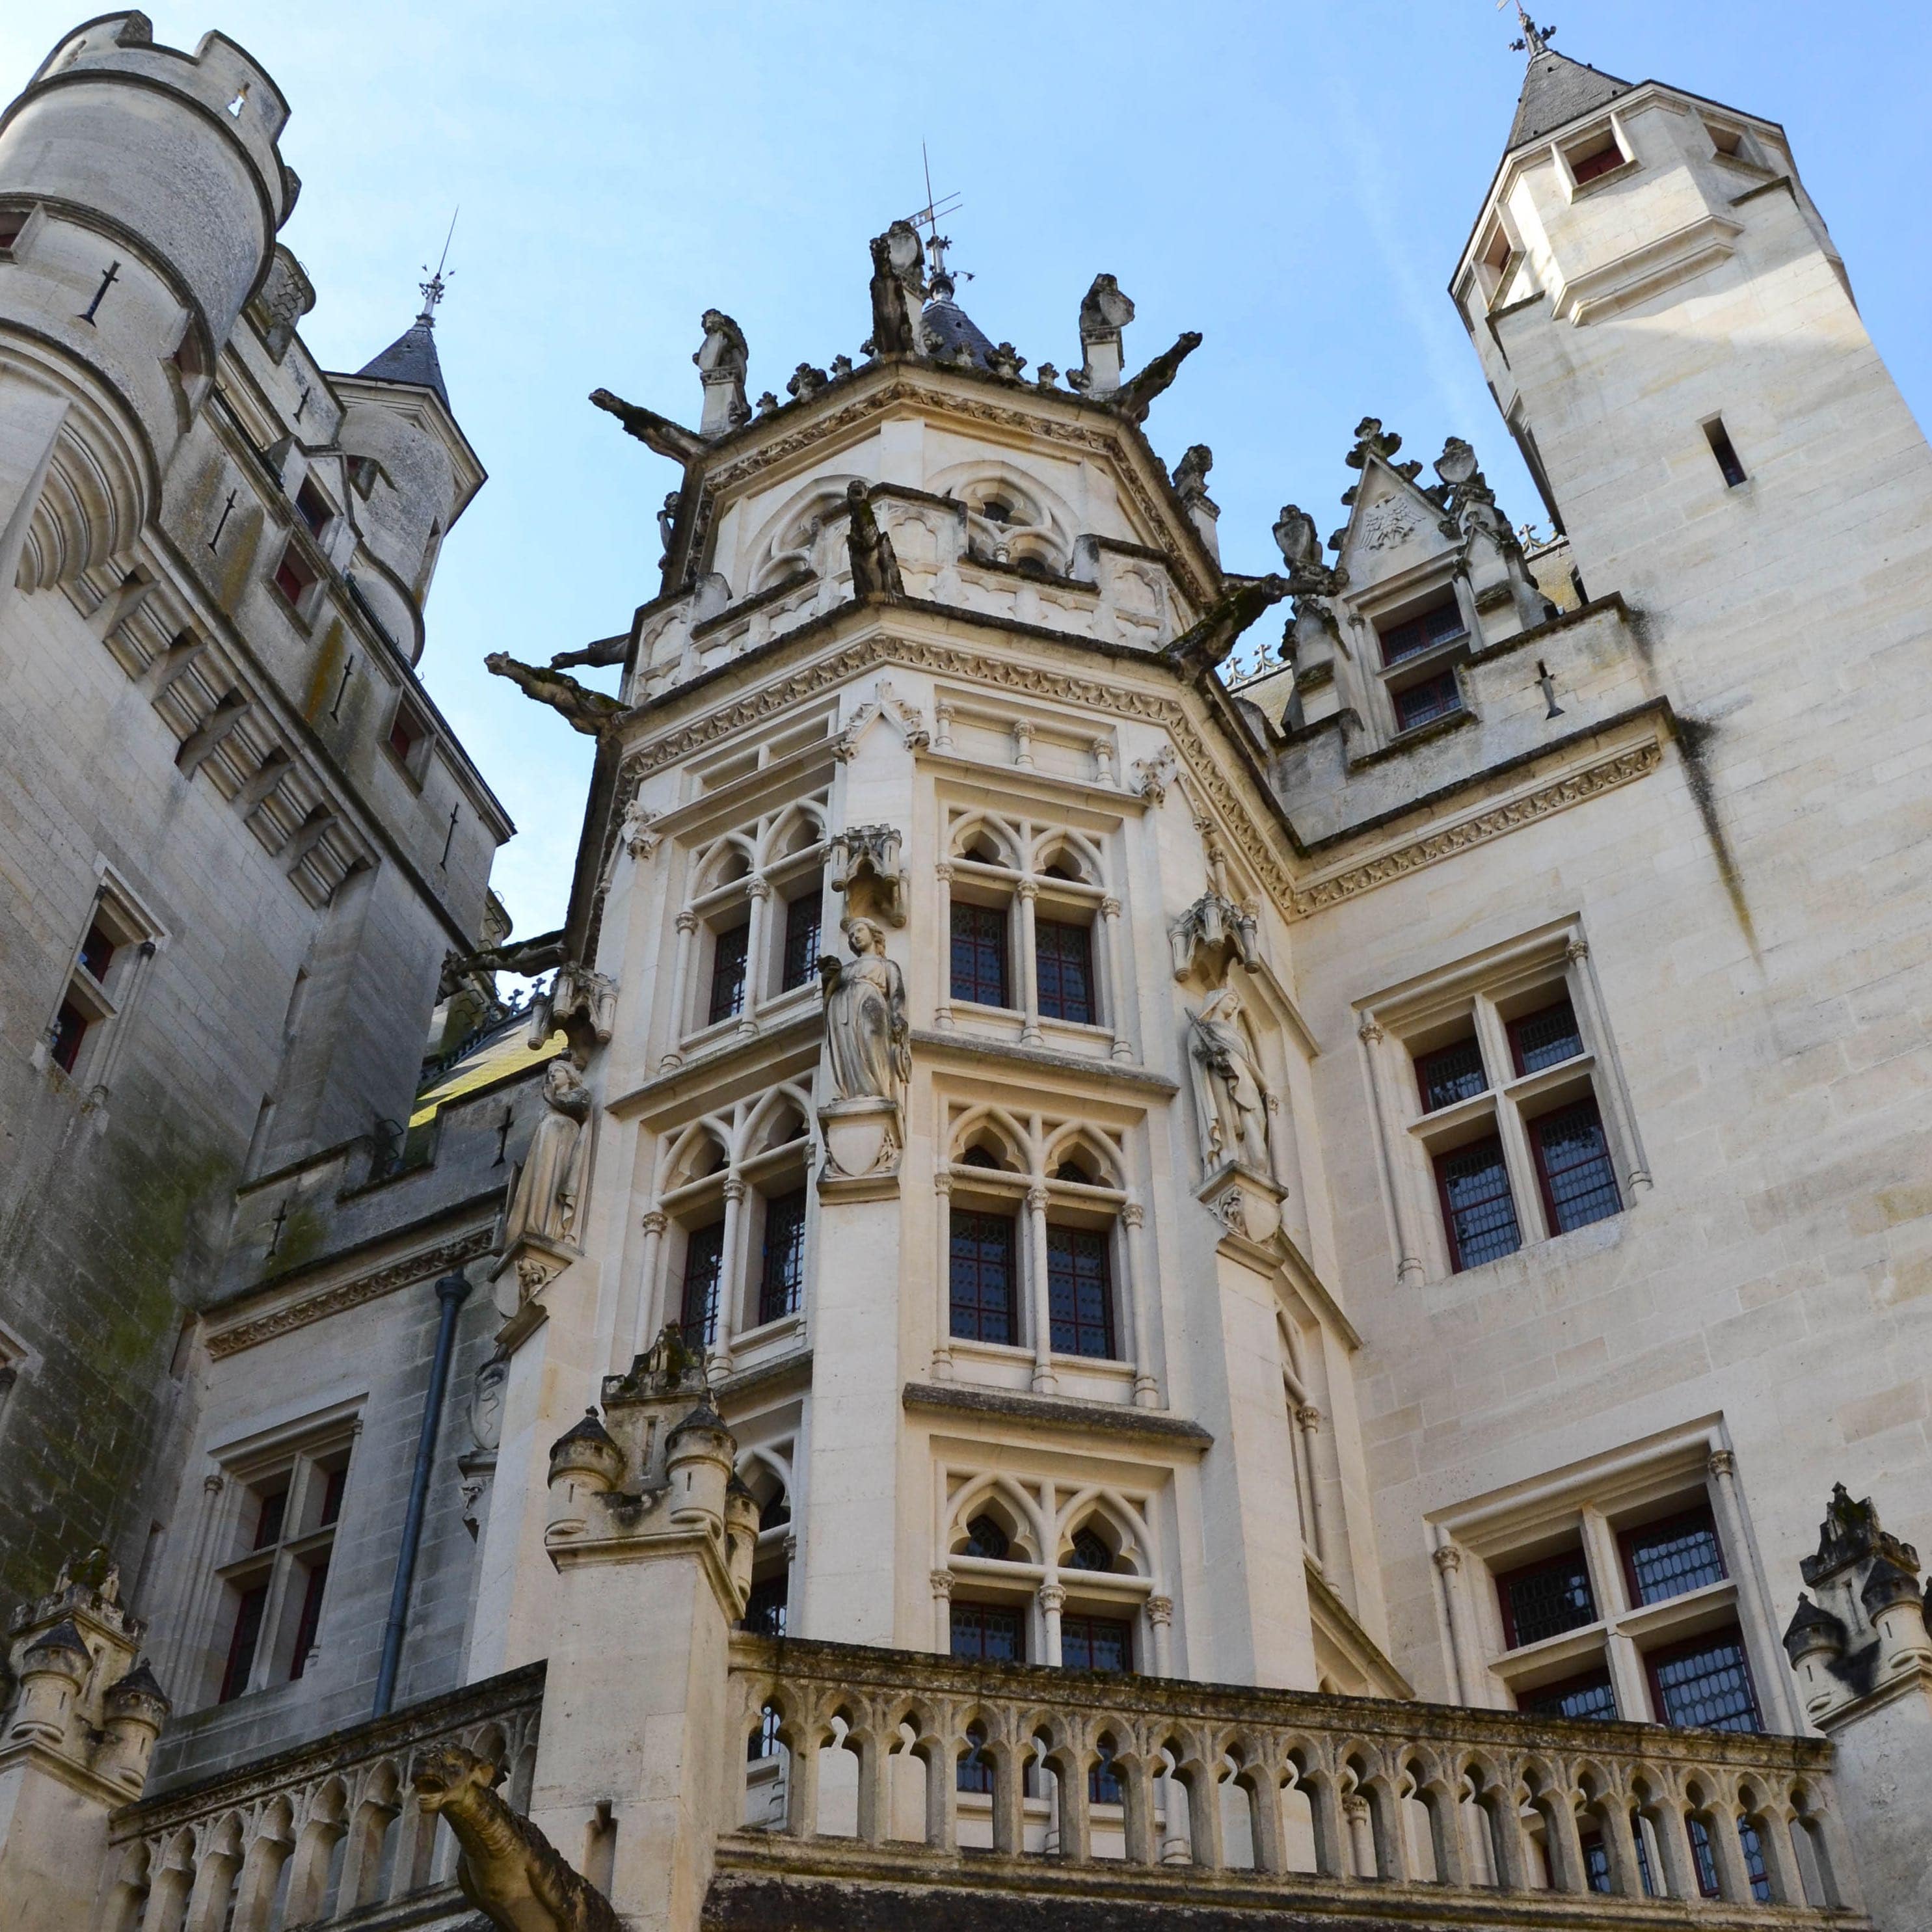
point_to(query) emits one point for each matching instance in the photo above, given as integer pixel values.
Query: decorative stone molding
(912, 724)
(862, 863)
(1573, 788)
(1211, 935)
(442, 1259)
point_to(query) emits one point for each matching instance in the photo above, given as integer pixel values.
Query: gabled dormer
(1427, 575)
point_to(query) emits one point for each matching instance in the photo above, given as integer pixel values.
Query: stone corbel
(863, 865)
(1247, 1205)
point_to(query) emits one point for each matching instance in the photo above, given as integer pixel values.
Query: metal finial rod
(1535, 40)
(438, 284)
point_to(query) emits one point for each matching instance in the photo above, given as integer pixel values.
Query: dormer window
(312, 507)
(1598, 154)
(1440, 624)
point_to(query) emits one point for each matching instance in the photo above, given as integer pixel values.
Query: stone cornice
(344, 1295)
(1058, 1413)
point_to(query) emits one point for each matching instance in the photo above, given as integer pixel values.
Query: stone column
(1113, 991)
(1160, 1621)
(1052, 1601)
(1767, 1667)
(1466, 1637)
(1308, 1420)
(942, 1010)
(942, 1338)
(1026, 892)
(1039, 1309)
(1587, 998)
(1133, 1257)
(1409, 1243)
(731, 1273)
(680, 982)
(650, 1317)
(941, 1581)
(759, 891)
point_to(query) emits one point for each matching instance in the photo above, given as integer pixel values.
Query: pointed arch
(1000, 1497)
(993, 1130)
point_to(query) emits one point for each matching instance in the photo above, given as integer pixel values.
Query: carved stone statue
(550, 1184)
(508, 1869)
(867, 1033)
(722, 359)
(898, 283)
(1228, 1083)
(1190, 473)
(1104, 312)
(875, 566)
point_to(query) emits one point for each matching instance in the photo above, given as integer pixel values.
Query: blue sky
(1295, 181)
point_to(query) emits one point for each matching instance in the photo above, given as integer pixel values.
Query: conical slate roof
(946, 325)
(1557, 89)
(412, 358)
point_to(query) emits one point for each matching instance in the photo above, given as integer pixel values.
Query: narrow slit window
(1080, 1292)
(980, 1285)
(1573, 1167)
(1720, 440)
(801, 938)
(782, 1277)
(1478, 1213)
(312, 507)
(1065, 956)
(704, 1266)
(293, 577)
(979, 954)
(728, 973)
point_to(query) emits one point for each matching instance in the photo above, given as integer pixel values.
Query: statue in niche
(550, 1184)
(1228, 1085)
(867, 1033)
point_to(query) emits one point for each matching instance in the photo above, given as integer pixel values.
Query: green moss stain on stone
(326, 674)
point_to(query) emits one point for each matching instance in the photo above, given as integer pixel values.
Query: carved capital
(943, 871)
(1035, 1197)
(1308, 1416)
(758, 887)
(1110, 908)
(1133, 1214)
(1160, 1611)
(941, 1581)
(1027, 889)
(213, 1482)
(1448, 1559)
(1577, 948)
(942, 1183)
(735, 1188)
(655, 1221)
(687, 921)
(1052, 1598)
(1722, 1465)
(1368, 1032)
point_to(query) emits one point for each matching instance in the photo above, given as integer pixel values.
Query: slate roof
(1558, 89)
(412, 358)
(946, 325)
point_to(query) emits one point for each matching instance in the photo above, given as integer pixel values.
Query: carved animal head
(446, 1774)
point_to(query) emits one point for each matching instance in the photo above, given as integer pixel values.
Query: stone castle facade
(1118, 1273)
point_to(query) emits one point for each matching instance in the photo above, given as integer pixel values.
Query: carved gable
(1392, 528)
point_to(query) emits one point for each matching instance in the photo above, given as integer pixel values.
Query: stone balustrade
(936, 1772)
(315, 1836)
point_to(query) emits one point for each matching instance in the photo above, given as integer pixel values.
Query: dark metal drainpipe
(451, 1290)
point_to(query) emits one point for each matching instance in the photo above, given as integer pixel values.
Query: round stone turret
(699, 1454)
(136, 1708)
(171, 155)
(584, 1462)
(52, 1669)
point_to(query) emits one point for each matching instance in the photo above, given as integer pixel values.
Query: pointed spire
(412, 357)
(1555, 89)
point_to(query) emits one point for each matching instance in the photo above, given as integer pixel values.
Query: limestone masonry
(1122, 1269)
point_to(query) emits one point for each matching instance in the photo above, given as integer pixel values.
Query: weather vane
(1535, 40)
(437, 286)
(936, 244)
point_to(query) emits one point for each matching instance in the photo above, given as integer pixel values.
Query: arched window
(1090, 1552)
(986, 1539)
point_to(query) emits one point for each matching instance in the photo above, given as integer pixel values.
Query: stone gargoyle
(508, 1871)
(1205, 646)
(586, 710)
(1135, 396)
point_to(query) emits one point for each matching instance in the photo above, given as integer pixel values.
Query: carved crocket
(509, 1870)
